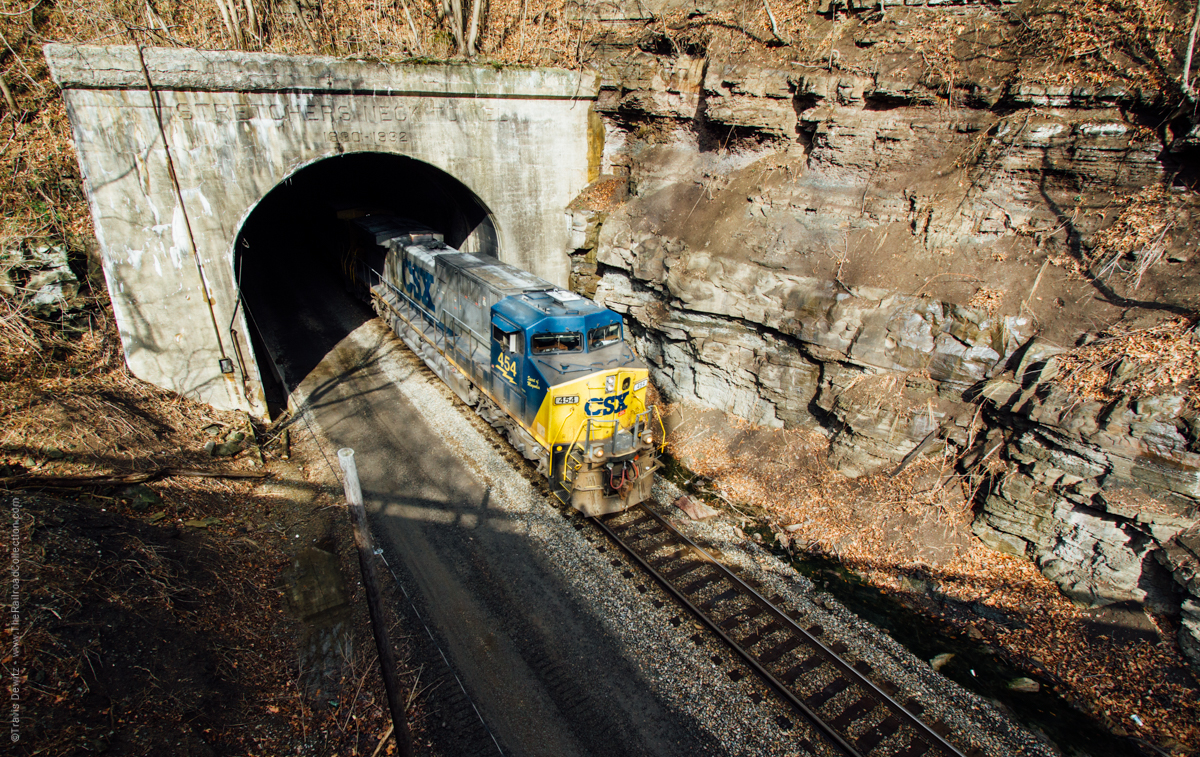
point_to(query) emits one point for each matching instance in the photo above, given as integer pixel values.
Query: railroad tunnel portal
(181, 149)
(290, 252)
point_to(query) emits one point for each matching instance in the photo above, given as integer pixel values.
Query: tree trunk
(454, 16)
(473, 35)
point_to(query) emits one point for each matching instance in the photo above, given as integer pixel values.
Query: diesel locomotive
(548, 368)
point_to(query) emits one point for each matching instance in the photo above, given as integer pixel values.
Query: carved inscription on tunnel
(348, 119)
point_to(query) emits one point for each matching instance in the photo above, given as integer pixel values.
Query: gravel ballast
(683, 663)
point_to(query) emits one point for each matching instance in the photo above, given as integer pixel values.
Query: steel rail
(844, 669)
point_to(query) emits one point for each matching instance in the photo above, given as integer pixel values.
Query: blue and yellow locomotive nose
(602, 454)
(602, 408)
(589, 409)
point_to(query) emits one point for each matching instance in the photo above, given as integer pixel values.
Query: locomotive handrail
(465, 328)
(431, 316)
(432, 341)
(637, 421)
(662, 427)
(570, 449)
(591, 422)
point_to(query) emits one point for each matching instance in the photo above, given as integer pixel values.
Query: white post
(366, 562)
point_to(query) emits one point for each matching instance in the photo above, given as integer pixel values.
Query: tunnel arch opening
(287, 255)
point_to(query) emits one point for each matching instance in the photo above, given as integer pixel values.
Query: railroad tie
(646, 534)
(624, 527)
(708, 604)
(688, 567)
(760, 634)
(835, 687)
(701, 582)
(853, 712)
(663, 560)
(877, 734)
(751, 612)
(915, 749)
(812, 663)
(780, 649)
(655, 540)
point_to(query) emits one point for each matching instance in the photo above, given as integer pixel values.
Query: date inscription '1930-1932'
(368, 137)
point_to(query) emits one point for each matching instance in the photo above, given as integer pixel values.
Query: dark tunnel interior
(289, 253)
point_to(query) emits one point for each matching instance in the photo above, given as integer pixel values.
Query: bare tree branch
(312, 38)
(8, 98)
(229, 17)
(1188, 91)
(158, 25)
(413, 28)
(22, 13)
(252, 21)
(774, 27)
(521, 39)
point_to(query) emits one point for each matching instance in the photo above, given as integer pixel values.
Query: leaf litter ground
(154, 619)
(910, 536)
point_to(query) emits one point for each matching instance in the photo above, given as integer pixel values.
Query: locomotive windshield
(570, 341)
(602, 336)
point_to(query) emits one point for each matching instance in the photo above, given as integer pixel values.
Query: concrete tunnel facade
(525, 142)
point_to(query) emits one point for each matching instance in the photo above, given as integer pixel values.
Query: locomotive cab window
(602, 336)
(570, 341)
(510, 340)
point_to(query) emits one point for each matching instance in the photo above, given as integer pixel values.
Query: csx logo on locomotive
(606, 405)
(419, 283)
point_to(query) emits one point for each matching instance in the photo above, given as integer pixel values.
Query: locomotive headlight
(648, 439)
(610, 383)
(598, 453)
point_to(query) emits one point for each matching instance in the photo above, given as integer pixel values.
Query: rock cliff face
(806, 247)
(1101, 495)
(1097, 488)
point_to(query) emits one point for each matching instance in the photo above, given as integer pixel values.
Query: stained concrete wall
(237, 124)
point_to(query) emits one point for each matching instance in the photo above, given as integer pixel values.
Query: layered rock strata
(806, 276)
(1102, 495)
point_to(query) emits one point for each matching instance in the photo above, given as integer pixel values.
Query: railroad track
(838, 698)
(857, 717)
